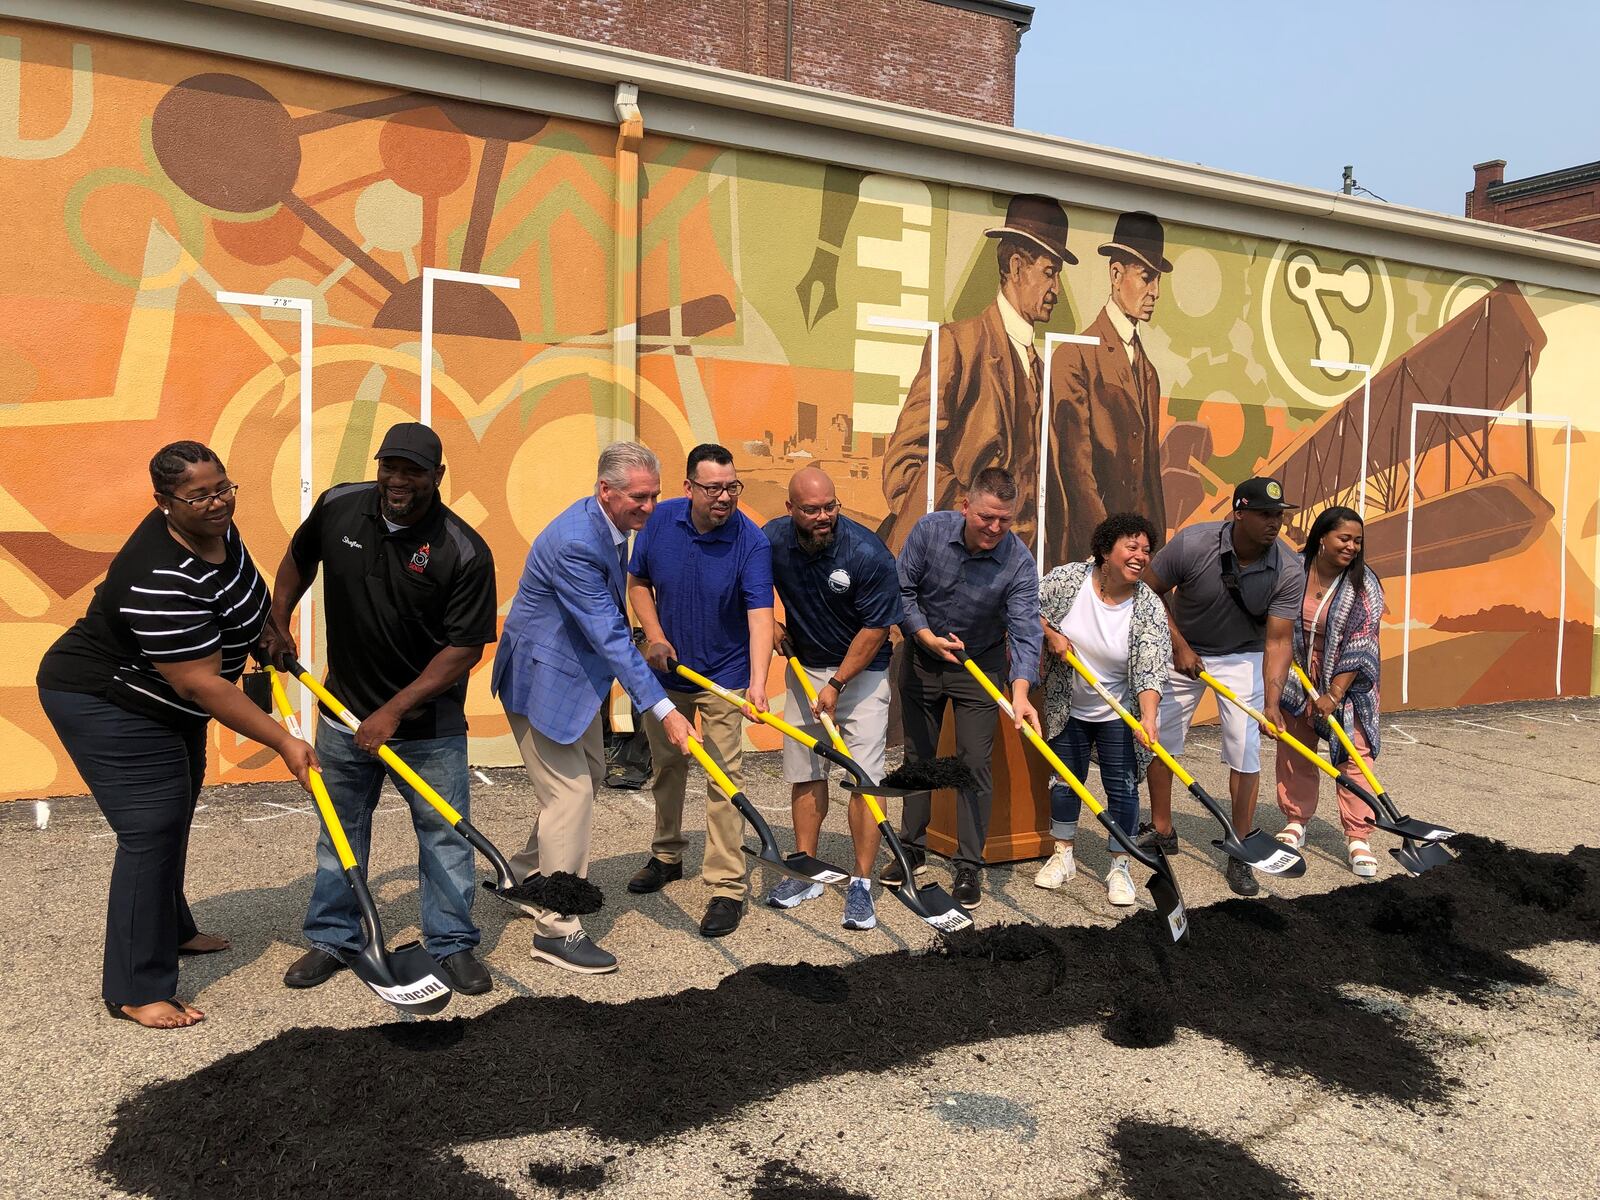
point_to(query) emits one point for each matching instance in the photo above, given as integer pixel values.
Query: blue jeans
(1119, 775)
(448, 878)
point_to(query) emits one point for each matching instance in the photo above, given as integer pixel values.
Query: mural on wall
(785, 309)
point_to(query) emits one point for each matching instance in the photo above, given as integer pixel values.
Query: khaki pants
(565, 778)
(722, 731)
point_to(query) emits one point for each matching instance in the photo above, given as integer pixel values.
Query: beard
(813, 543)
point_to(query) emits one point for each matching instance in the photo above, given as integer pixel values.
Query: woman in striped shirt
(131, 689)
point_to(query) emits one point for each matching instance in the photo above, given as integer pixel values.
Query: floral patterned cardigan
(1149, 649)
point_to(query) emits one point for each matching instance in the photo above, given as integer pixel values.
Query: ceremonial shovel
(407, 978)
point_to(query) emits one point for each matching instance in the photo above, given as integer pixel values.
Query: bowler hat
(414, 442)
(1139, 234)
(1040, 220)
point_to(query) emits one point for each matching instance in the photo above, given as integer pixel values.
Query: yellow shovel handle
(732, 697)
(1344, 738)
(1039, 744)
(1157, 748)
(1283, 735)
(319, 790)
(718, 776)
(833, 734)
(444, 807)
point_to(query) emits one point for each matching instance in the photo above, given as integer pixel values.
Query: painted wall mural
(785, 308)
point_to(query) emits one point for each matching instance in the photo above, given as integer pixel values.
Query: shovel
(930, 902)
(407, 978)
(1421, 846)
(505, 882)
(1255, 849)
(1163, 885)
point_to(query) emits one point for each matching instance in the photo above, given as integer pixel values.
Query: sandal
(1293, 835)
(1362, 861)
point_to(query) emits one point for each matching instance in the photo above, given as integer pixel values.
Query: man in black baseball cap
(409, 602)
(1236, 591)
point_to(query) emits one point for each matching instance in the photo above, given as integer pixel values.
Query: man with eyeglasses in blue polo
(700, 582)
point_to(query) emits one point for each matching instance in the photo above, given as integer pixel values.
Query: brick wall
(1565, 202)
(916, 52)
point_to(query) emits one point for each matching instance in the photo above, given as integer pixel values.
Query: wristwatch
(836, 684)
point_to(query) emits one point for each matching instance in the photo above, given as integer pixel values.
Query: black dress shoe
(467, 975)
(654, 876)
(893, 876)
(968, 890)
(722, 917)
(311, 968)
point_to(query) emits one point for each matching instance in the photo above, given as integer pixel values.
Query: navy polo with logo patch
(394, 598)
(831, 596)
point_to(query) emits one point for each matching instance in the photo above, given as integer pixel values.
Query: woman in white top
(1117, 626)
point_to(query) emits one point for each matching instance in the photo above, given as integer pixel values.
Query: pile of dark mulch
(564, 1180)
(780, 1180)
(1162, 1162)
(931, 774)
(359, 1112)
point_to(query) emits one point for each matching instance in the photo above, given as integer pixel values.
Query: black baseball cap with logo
(1260, 495)
(414, 442)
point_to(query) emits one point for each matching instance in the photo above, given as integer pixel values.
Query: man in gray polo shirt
(1233, 593)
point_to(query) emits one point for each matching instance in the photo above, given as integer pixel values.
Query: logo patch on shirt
(351, 542)
(839, 581)
(419, 560)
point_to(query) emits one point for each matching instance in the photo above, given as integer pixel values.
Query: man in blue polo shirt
(700, 582)
(841, 595)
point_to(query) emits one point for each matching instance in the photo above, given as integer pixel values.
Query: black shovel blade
(799, 866)
(935, 906)
(1414, 830)
(879, 790)
(522, 906)
(1264, 853)
(1417, 857)
(406, 977)
(1163, 887)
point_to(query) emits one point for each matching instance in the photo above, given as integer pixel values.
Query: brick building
(952, 56)
(1564, 202)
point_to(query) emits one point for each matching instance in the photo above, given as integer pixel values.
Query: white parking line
(1541, 720)
(1410, 741)
(278, 816)
(487, 781)
(1479, 725)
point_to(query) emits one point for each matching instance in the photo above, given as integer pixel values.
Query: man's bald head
(814, 507)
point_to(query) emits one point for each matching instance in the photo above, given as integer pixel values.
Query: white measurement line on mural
(429, 276)
(932, 327)
(1051, 341)
(1366, 421)
(1490, 415)
(301, 306)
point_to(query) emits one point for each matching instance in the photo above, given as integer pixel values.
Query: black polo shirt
(393, 600)
(830, 597)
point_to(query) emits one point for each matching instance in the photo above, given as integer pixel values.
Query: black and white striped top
(160, 604)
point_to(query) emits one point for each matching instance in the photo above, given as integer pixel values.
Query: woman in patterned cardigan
(1336, 640)
(1117, 627)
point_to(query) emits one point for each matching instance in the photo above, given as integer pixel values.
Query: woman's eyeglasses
(218, 497)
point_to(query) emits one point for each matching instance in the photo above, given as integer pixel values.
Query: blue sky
(1412, 92)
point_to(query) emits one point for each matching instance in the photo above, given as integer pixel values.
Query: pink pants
(1298, 780)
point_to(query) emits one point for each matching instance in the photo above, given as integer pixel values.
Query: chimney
(1484, 176)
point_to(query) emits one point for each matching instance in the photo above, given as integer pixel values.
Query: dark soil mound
(1161, 1162)
(779, 1180)
(929, 775)
(561, 892)
(1140, 1022)
(347, 1112)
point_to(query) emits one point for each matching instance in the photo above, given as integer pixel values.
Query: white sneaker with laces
(1119, 883)
(1058, 869)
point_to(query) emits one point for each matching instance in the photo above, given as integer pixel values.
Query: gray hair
(619, 459)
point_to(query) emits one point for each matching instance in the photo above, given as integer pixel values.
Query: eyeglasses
(819, 510)
(713, 490)
(221, 496)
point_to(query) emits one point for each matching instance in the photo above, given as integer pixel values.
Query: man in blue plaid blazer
(565, 640)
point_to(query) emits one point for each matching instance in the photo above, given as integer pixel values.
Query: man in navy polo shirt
(700, 582)
(841, 595)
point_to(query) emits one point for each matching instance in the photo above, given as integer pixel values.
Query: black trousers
(145, 777)
(927, 687)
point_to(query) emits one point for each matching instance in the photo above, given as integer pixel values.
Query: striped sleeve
(171, 613)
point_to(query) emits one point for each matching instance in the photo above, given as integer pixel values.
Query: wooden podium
(1019, 825)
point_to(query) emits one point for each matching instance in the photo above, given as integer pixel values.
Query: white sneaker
(1058, 869)
(1119, 883)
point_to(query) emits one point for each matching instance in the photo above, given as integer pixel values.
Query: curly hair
(1116, 527)
(1327, 521)
(173, 459)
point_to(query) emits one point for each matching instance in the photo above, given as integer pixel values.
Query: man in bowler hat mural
(1105, 431)
(990, 377)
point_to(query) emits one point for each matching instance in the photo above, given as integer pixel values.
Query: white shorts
(862, 716)
(1241, 736)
